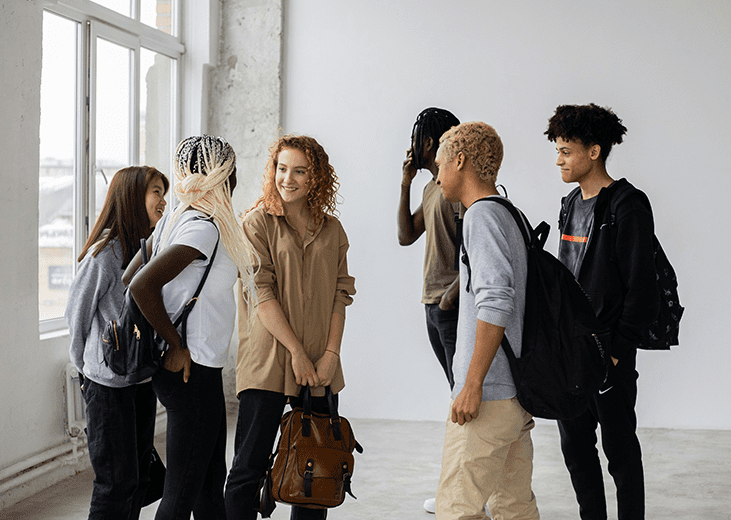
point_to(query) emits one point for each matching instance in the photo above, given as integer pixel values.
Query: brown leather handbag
(313, 463)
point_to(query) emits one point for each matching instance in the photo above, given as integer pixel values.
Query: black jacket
(618, 271)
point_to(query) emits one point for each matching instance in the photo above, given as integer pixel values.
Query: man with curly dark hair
(606, 240)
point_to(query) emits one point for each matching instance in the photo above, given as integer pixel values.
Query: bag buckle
(309, 472)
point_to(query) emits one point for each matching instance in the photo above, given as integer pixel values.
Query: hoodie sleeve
(91, 283)
(636, 264)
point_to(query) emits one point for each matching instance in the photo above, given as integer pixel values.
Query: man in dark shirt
(610, 251)
(575, 233)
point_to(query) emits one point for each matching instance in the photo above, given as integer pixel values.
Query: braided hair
(432, 122)
(203, 167)
(590, 124)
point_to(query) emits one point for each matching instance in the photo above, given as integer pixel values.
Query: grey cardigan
(95, 297)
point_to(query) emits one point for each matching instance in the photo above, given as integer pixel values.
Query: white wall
(355, 76)
(30, 372)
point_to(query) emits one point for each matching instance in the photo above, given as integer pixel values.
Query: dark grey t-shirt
(576, 233)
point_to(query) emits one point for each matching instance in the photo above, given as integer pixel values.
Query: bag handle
(332, 410)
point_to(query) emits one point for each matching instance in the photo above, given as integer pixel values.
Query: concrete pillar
(245, 101)
(246, 88)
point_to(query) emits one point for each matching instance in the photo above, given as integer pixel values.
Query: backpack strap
(188, 307)
(143, 249)
(616, 199)
(457, 239)
(518, 216)
(532, 237)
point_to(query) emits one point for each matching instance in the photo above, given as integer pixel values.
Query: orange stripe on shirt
(569, 238)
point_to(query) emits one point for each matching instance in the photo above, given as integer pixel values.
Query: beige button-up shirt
(309, 278)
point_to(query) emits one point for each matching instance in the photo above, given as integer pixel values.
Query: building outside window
(109, 99)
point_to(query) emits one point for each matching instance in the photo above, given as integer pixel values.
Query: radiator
(75, 407)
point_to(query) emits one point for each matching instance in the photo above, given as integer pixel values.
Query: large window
(109, 90)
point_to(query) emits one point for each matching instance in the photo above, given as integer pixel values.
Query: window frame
(98, 22)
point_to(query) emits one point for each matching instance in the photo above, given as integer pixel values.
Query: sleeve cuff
(493, 317)
(339, 308)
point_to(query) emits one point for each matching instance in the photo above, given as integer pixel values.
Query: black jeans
(442, 329)
(260, 413)
(120, 425)
(614, 409)
(196, 444)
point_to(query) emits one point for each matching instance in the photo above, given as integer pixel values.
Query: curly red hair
(323, 182)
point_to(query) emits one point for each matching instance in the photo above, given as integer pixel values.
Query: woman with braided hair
(303, 287)
(190, 383)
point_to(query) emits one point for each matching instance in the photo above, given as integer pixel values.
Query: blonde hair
(480, 143)
(203, 167)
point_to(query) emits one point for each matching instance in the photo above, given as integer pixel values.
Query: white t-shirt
(211, 322)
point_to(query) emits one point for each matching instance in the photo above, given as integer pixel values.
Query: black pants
(120, 424)
(196, 444)
(442, 329)
(260, 414)
(614, 409)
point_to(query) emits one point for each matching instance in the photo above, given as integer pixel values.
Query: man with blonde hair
(488, 452)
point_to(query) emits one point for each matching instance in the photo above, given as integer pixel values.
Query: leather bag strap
(332, 410)
(306, 412)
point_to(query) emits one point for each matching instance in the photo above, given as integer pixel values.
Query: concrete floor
(688, 475)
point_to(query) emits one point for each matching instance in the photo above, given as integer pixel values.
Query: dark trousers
(260, 414)
(614, 409)
(120, 425)
(442, 329)
(196, 444)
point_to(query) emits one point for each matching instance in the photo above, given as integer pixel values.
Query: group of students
(289, 259)
(487, 459)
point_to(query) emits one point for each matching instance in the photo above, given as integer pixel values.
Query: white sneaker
(430, 505)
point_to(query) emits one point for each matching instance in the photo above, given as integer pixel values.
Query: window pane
(112, 115)
(121, 6)
(158, 14)
(57, 158)
(156, 110)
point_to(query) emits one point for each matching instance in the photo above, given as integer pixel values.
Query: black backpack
(563, 362)
(130, 346)
(663, 333)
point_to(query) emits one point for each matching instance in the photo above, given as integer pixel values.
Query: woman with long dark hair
(120, 415)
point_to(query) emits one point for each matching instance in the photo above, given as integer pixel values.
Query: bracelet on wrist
(332, 351)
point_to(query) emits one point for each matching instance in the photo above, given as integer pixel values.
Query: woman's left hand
(326, 367)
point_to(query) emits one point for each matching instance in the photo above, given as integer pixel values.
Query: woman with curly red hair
(303, 287)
